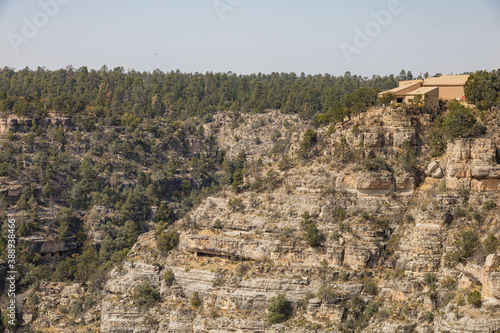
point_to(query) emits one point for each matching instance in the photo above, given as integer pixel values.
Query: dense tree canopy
(123, 94)
(483, 89)
(459, 122)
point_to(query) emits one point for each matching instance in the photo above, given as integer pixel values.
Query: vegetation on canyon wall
(102, 157)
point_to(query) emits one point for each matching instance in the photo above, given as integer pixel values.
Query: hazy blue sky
(246, 36)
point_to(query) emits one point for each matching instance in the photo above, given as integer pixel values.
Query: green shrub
(272, 180)
(459, 122)
(376, 164)
(370, 288)
(379, 222)
(167, 241)
(75, 308)
(475, 215)
(10, 136)
(214, 314)
(312, 235)
(371, 309)
(238, 179)
(467, 243)
(308, 141)
(491, 244)
(429, 317)
(169, 277)
(331, 130)
(279, 309)
(474, 298)
(365, 216)
(464, 193)
(89, 301)
(164, 215)
(130, 121)
(65, 270)
(355, 129)
(387, 98)
(430, 278)
(218, 224)
(195, 300)
(339, 213)
(342, 150)
(285, 163)
(459, 212)
(6, 321)
(145, 295)
(393, 195)
(408, 157)
(437, 140)
(482, 89)
(235, 205)
(344, 227)
(489, 205)
(408, 218)
(442, 186)
(277, 134)
(280, 147)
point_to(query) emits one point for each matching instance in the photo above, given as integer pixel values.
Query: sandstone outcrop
(472, 164)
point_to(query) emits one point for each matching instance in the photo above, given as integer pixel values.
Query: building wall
(432, 100)
(449, 93)
(430, 95)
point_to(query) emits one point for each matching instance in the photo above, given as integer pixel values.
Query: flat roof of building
(422, 91)
(447, 80)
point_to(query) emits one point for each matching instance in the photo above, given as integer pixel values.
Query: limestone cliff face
(472, 164)
(386, 233)
(237, 256)
(218, 290)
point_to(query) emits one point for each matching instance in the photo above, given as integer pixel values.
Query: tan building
(404, 89)
(428, 94)
(446, 88)
(450, 86)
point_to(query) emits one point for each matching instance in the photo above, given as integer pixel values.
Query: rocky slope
(388, 238)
